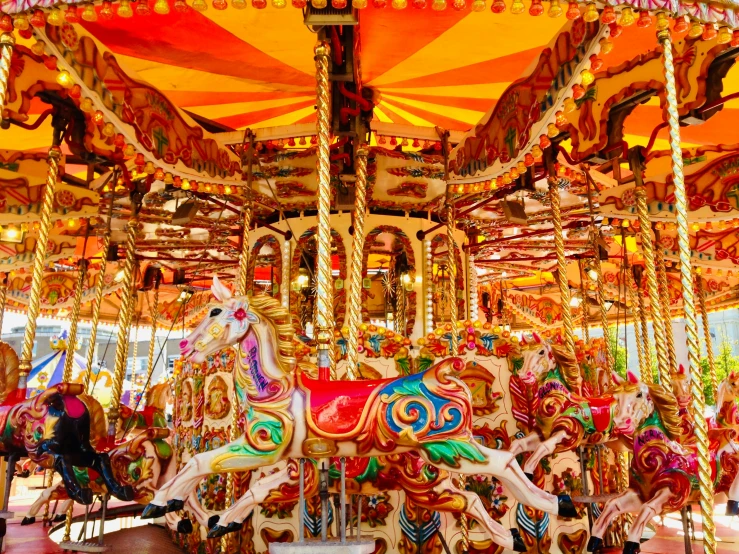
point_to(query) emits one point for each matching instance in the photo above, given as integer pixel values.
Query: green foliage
(724, 361)
(619, 353)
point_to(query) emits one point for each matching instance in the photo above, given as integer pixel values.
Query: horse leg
(233, 518)
(627, 501)
(525, 444)
(473, 507)
(76, 492)
(650, 509)
(545, 448)
(505, 468)
(46, 496)
(101, 464)
(226, 459)
(732, 504)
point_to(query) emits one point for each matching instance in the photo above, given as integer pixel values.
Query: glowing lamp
(199, 5)
(129, 151)
(37, 19)
(397, 4)
(518, 7)
(544, 142)
(606, 46)
(536, 8)
(595, 63)
(696, 30)
(573, 11)
(682, 25)
(124, 9)
(89, 13)
(55, 18)
(627, 17)
(608, 16)
(358, 5)
(529, 159)
(478, 5)
(108, 130)
(21, 22)
(498, 6)
(561, 120)
(106, 10)
(591, 13)
(6, 24)
(735, 39)
(161, 7)
(142, 8)
(586, 77)
(521, 167)
(555, 9)
(180, 6)
(438, 5)
(98, 118)
(724, 35)
(514, 173)
(615, 30)
(379, 4)
(38, 48)
(709, 31)
(459, 5)
(65, 79)
(644, 21)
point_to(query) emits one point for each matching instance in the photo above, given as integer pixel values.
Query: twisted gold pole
(452, 268)
(37, 271)
(48, 480)
(69, 359)
(99, 289)
(7, 41)
(354, 308)
(585, 305)
(68, 524)
(664, 296)
(686, 280)
(701, 293)
(635, 315)
(559, 245)
(324, 297)
(601, 288)
(428, 281)
(648, 377)
(242, 284)
(3, 299)
(153, 343)
(124, 321)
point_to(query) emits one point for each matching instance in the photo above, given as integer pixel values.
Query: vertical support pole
(354, 307)
(99, 288)
(472, 287)
(635, 316)
(701, 294)
(664, 296)
(559, 246)
(660, 339)
(359, 518)
(125, 317)
(343, 499)
(37, 271)
(153, 343)
(3, 298)
(301, 512)
(7, 42)
(134, 354)
(428, 283)
(324, 297)
(686, 279)
(285, 290)
(323, 491)
(585, 304)
(68, 524)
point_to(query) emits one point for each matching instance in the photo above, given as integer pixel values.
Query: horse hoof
(153, 511)
(59, 517)
(631, 547)
(565, 507)
(125, 493)
(732, 508)
(518, 544)
(594, 543)
(184, 526)
(234, 526)
(213, 521)
(217, 531)
(175, 505)
(28, 520)
(529, 476)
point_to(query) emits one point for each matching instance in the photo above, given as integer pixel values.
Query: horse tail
(98, 421)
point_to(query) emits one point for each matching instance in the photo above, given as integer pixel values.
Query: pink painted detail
(251, 360)
(74, 406)
(240, 314)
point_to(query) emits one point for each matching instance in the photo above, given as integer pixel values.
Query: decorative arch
(405, 243)
(438, 242)
(340, 295)
(274, 243)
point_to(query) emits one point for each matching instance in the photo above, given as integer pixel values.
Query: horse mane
(271, 310)
(98, 421)
(156, 395)
(721, 393)
(568, 366)
(8, 370)
(664, 402)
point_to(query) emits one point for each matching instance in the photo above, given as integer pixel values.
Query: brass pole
(664, 296)
(324, 297)
(585, 305)
(69, 359)
(686, 280)
(701, 293)
(7, 42)
(635, 316)
(559, 245)
(354, 308)
(99, 289)
(472, 287)
(37, 271)
(124, 322)
(153, 343)
(3, 298)
(658, 327)
(135, 355)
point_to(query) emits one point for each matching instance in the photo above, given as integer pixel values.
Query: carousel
(399, 247)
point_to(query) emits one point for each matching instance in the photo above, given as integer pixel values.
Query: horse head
(681, 387)
(8, 370)
(226, 324)
(158, 396)
(538, 360)
(633, 405)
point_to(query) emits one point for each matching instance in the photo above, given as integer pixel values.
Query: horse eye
(639, 395)
(541, 353)
(215, 311)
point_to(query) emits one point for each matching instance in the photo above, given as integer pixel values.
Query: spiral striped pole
(7, 42)
(3, 298)
(686, 280)
(585, 305)
(37, 271)
(664, 296)
(354, 308)
(325, 292)
(635, 315)
(99, 289)
(69, 359)
(559, 247)
(701, 293)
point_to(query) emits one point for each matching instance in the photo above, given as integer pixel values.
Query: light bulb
(555, 10)
(161, 7)
(627, 17)
(124, 9)
(89, 13)
(518, 7)
(65, 79)
(591, 13)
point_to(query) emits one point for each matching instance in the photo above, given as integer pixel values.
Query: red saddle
(600, 409)
(336, 407)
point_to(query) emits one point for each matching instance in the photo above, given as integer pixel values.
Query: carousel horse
(564, 418)
(143, 463)
(153, 414)
(292, 416)
(663, 471)
(425, 485)
(53, 429)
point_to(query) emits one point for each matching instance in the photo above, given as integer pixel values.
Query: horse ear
(631, 377)
(536, 338)
(617, 378)
(219, 290)
(681, 369)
